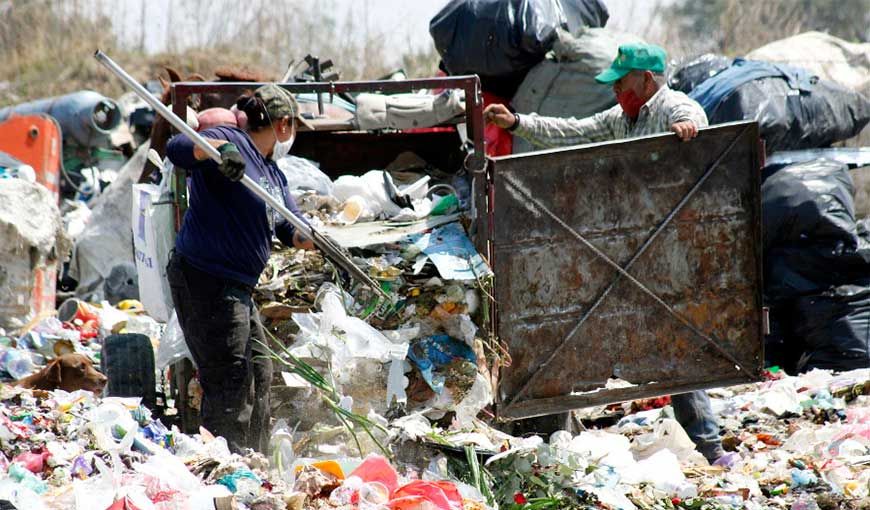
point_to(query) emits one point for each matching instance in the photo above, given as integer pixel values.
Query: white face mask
(281, 149)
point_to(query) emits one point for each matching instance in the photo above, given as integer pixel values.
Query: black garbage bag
(834, 328)
(685, 76)
(585, 13)
(793, 271)
(796, 120)
(811, 240)
(808, 202)
(794, 109)
(505, 38)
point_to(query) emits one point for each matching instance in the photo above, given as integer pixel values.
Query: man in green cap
(645, 106)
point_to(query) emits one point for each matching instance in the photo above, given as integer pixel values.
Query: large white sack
(153, 226)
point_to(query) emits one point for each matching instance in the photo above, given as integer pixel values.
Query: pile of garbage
(73, 450)
(423, 348)
(792, 442)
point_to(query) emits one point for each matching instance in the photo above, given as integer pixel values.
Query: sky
(404, 21)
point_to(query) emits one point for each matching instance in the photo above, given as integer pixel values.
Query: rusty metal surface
(705, 265)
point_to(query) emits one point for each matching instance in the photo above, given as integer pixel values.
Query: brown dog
(69, 372)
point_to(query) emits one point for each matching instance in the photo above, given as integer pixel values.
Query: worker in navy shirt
(220, 251)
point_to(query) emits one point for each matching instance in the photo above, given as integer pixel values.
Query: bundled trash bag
(500, 40)
(829, 58)
(835, 328)
(817, 264)
(564, 83)
(811, 239)
(794, 109)
(808, 202)
(688, 74)
(824, 55)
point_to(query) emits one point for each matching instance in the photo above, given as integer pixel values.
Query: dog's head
(72, 372)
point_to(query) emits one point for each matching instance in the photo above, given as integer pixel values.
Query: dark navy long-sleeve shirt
(227, 230)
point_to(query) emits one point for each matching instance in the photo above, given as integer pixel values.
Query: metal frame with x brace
(534, 205)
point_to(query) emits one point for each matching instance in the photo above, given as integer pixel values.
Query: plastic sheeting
(564, 85)
(501, 39)
(107, 240)
(304, 174)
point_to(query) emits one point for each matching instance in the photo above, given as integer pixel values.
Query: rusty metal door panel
(688, 313)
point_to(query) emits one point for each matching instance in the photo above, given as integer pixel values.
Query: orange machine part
(35, 140)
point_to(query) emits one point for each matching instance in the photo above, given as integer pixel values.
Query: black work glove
(232, 163)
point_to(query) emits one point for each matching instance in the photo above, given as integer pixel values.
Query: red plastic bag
(376, 468)
(499, 142)
(442, 495)
(33, 461)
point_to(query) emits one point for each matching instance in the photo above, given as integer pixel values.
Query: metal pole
(326, 246)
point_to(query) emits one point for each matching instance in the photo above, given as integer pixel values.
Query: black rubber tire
(128, 361)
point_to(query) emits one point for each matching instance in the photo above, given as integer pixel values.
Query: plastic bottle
(281, 446)
(373, 496)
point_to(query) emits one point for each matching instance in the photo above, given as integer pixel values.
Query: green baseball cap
(635, 56)
(280, 103)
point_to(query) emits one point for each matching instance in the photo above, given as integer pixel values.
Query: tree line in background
(735, 27)
(45, 45)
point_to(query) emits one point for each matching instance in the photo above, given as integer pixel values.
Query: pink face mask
(630, 103)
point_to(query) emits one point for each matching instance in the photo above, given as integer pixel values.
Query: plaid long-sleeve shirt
(658, 114)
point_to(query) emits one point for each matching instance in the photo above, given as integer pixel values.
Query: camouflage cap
(280, 103)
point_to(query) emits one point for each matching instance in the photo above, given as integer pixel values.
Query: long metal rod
(652, 237)
(329, 249)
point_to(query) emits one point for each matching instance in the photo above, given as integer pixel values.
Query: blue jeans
(695, 414)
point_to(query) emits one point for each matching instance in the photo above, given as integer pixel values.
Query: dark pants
(221, 330)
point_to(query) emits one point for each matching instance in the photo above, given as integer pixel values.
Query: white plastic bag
(172, 346)
(153, 238)
(303, 173)
(341, 337)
